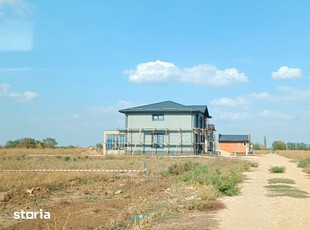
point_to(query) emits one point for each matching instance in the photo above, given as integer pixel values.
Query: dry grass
(294, 154)
(266, 151)
(298, 156)
(56, 151)
(155, 196)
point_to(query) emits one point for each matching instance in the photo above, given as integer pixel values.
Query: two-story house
(163, 128)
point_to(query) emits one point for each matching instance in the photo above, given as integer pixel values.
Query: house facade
(235, 143)
(165, 128)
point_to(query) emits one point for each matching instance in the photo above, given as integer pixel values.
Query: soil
(258, 208)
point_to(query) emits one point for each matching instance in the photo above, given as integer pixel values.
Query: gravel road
(259, 208)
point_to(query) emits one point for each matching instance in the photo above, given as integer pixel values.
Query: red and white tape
(73, 170)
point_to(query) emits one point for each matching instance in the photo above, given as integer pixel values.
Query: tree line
(280, 145)
(28, 142)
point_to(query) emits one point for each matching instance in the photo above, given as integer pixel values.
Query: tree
(49, 143)
(265, 141)
(99, 146)
(297, 146)
(278, 145)
(27, 142)
(11, 144)
(257, 146)
(291, 146)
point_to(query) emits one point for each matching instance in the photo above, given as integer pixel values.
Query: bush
(277, 169)
(224, 181)
(197, 174)
(304, 162)
(227, 183)
(177, 169)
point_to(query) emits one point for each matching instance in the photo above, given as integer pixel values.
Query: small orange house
(235, 143)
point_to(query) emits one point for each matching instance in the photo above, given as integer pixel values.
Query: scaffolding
(155, 141)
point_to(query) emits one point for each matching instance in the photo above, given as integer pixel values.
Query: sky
(67, 68)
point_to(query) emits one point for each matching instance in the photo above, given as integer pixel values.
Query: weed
(246, 166)
(281, 181)
(286, 190)
(208, 193)
(224, 182)
(67, 158)
(278, 187)
(227, 183)
(197, 174)
(254, 164)
(277, 169)
(304, 162)
(307, 169)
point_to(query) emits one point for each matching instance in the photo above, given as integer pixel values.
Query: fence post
(145, 167)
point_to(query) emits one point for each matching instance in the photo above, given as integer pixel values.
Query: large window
(158, 140)
(158, 117)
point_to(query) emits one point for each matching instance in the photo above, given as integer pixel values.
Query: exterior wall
(176, 129)
(171, 121)
(233, 147)
(177, 133)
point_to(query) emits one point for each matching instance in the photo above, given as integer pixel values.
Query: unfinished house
(162, 128)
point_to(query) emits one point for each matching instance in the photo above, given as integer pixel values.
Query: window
(158, 140)
(158, 117)
(196, 120)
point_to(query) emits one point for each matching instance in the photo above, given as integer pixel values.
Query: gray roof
(233, 138)
(167, 106)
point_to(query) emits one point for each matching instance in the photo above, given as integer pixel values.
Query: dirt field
(173, 194)
(167, 198)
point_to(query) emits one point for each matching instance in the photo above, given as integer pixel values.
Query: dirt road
(261, 207)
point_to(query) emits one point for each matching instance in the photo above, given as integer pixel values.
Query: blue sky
(66, 68)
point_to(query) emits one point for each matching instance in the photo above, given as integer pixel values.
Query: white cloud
(235, 115)
(243, 101)
(5, 91)
(165, 72)
(236, 102)
(210, 75)
(153, 72)
(263, 95)
(4, 88)
(27, 96)
(285, 73)
(296, 95)
(276, 115)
